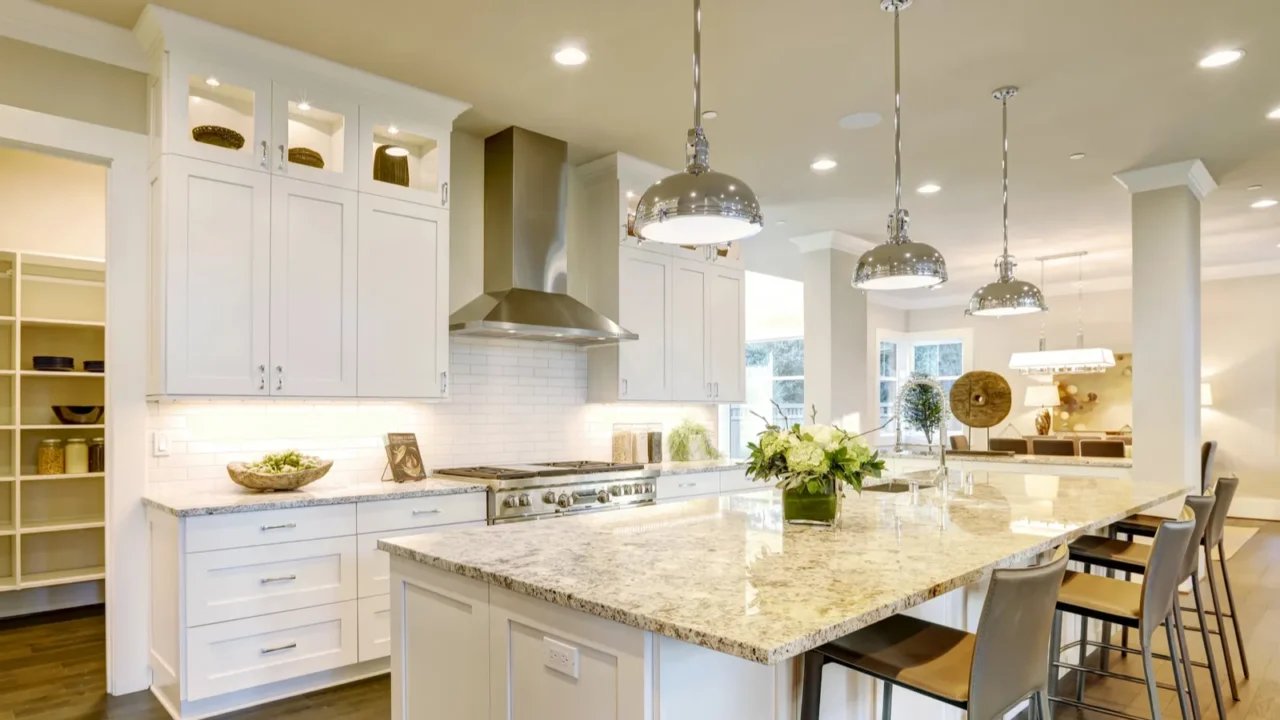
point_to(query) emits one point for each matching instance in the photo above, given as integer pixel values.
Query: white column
(1166, 319)
(836, 358)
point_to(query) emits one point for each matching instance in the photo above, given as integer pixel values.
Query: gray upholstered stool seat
(933, 659)
(1115, 554)
(1145, 525)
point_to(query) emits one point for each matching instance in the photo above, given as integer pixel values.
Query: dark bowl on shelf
(79, 414)
(95, 366)
(220, 136)
(306, 156)
(53, 362)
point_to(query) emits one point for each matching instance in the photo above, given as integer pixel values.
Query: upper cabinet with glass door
(215, 112)
(402, 158)
(315, 131)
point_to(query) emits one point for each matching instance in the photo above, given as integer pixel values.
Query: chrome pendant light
(698, 206)
(900, 263)
(1007, 295)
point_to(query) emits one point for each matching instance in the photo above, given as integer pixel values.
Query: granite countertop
(224, 496)
(693, 467)
(1016, 459)
(727, 574)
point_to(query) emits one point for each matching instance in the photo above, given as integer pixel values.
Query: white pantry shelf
(55, 323)
(61, 373)
(60, 577)
(60, 525)
(66, 476)
(58, 427)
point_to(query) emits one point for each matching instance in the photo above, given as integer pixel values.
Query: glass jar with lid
(76, 458)
(97, 455)
(50, 457)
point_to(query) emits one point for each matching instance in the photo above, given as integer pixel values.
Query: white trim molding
(1189, 173)
(832, 240)
(1255, 508)
(35, 23)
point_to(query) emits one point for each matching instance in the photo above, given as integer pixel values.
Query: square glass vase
(801, 507)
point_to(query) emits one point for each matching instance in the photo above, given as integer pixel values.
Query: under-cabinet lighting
(304, 106)
(212, 81)
(393, 130)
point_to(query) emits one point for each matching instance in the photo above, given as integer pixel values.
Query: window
(943, 361)
(938, 355)
(888, 379)
(775, 371)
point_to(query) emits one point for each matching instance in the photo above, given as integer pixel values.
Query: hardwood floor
(53, 667)
(1255, 577)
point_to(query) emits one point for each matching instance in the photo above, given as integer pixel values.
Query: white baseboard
(1255, 508)
(57, 597)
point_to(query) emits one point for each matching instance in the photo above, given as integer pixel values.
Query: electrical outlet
(159, 444)
(560, 657)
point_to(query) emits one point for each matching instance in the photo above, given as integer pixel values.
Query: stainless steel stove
(544, 490)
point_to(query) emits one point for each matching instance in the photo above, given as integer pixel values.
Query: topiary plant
(922, 408)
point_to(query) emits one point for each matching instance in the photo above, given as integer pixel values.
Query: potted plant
(811, 464)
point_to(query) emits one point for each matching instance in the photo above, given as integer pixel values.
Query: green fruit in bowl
(289, 461)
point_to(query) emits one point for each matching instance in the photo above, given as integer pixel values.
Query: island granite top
(223, 496)
(727, 574)
(961, 456)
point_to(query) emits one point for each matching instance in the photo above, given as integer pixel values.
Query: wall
(48, 81)
(1240, 359)
(512, 401)
(52, 204)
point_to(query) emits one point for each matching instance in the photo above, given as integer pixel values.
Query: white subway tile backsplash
(512, 401)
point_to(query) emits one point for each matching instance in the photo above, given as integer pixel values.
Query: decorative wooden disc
(981, 399)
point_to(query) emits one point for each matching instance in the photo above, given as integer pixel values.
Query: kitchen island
(699, 610)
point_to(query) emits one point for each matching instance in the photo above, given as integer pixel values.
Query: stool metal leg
(1231, 603)
(1222, 629)
(811, 686)
(1084, 647)
(1185, 651)
(886, 711)
(1177, 669)
(1148, 671)
(1210, 659)
(1042, 705)
(1055, 651)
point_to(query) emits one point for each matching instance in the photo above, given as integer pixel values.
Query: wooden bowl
(78, 414)
(244, 477)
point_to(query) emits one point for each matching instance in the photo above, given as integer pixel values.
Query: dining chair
(1053, 446)
(1016, 445)
(1102, 448)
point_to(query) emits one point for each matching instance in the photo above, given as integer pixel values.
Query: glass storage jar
(97, 455)
(50, 457)
(77, 456)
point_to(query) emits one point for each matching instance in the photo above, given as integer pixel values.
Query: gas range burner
(591, 466)
(484, 472)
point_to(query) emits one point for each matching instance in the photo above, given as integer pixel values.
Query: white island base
(463, 649)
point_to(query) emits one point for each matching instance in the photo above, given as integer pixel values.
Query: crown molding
(72, 33)
(1188, 173)
(832, 240)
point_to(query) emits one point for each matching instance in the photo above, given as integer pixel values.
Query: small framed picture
(403, 457)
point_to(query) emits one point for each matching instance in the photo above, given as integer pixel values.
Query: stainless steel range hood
(526, 191)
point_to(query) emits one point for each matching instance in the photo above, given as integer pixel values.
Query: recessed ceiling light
(860, 121)
(397, 151)
(212, 81)
(1221, 58)
(928, 188)
(1265, 204)
(1076, 156)
(570, 56)
(304, 106)
(1274, 114)
(631, 193)
(823, 164)
(781, 222)
(393, 130)
(710, 114)
(1255, 187)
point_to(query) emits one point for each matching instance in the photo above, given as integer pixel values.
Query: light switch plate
(560, 657)
(159, 444)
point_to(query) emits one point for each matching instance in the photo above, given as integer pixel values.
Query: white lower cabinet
(686, 486)
(735, 480)
(250, 607)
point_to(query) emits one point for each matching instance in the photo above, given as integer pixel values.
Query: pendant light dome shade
(698, 206)
(1007, 295)
(900, 263)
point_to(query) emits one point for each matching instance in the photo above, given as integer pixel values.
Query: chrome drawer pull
(432, 511)
(684, 485)
(268, 651)
(286, 526)
(282, 578)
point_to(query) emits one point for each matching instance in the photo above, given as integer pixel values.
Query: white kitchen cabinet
(313, 289)
(727, 328)
(644, 308)
(403, 299)
(195, 91)
(420, 148)
(690, 336)
(215, 267)
(323, 120)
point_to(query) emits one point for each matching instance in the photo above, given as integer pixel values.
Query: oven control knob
(637, 488)
(648, 487)
(564, 501)
(509, 502)
(603, 496)
(627, 489)
(549, 498)
(525, 501)
(615, 490)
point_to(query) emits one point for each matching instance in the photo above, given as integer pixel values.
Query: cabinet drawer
(736, 480)
(241, 654)
(375, 627)
(243, 582)
(268, 527)
(374, 565)
(691, 485)
(420, 512)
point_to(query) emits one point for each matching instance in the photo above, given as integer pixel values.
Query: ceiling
(1115, 80)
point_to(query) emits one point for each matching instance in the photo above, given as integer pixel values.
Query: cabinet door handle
(432, 511)
(278, 648)
(282, 578)
(262, 377)
(284, 167)
(444, 194)
(687, 485)
(624, 387)
(263, 160)
(444, 382)
(279, 377)
(717, 389)
(708, 389)
(285, 526)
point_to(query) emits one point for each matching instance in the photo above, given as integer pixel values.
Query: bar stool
(984, 674)
(1018, 446)
(1132, 557)
(1224, 492)
(1143, 608)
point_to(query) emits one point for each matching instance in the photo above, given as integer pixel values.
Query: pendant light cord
(1080, 301)
(897, 115)
(1042, 338)
(697, 64)
(1004, 166)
